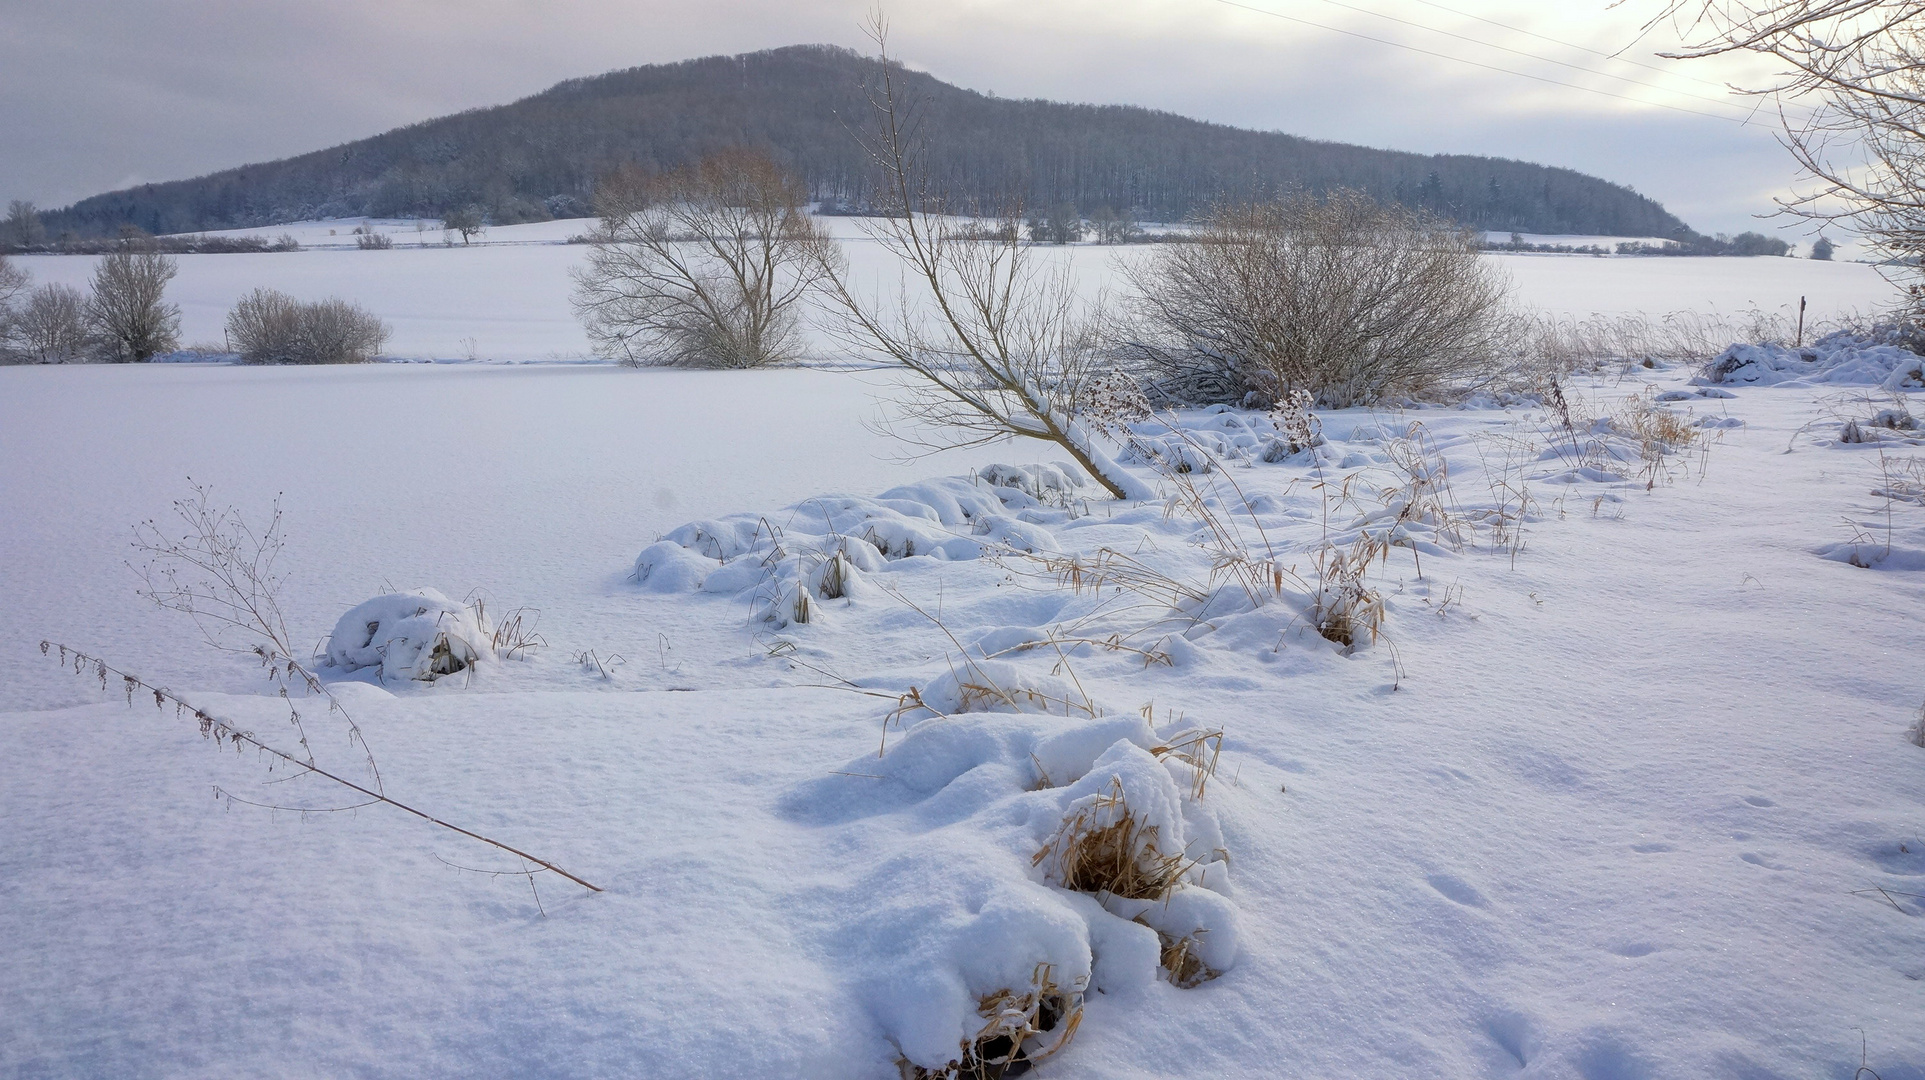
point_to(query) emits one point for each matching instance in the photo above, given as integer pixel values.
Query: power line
(1572, 45)
(1479, 64)
(1525, 53)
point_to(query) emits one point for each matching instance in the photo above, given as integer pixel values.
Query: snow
(1842, 357)
(419, 635)
(506, 297)
(1622, 789)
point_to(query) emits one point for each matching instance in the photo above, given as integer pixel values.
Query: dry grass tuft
(1103, 848)
(1347, 609)
(1199, 750)
(1019, 1031)
(1180, 962)
(513, 635)
(837, 572)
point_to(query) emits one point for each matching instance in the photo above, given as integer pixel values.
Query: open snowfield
(1622, 790)
(506, 297)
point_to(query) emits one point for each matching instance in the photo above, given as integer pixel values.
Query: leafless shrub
(996, 347)
(130, 317)
(51, 327)
(700, 267)
(337, 332)
(269, 327)
(1347, 299)
(13, 282)
(373, 241)
(265, 327)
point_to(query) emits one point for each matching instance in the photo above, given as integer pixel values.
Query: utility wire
(1527, 54)
(1573, 45)
(1478, 64)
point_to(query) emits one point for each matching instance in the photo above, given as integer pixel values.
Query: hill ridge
(538, 157)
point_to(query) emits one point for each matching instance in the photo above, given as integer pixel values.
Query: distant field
(506, 297)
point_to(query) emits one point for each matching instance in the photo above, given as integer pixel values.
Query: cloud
(92, 93)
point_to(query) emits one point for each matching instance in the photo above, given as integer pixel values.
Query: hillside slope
(539, 157)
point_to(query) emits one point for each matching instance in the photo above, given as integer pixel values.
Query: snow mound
(1840, 358)
(999, 686)
(412, 636)
(1045, 483)
(820, 549)
(975, 901)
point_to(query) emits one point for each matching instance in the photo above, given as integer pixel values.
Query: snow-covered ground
(1623, 794)
(505, 298)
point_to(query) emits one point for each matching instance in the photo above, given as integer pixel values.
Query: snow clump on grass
(785, 564)
(412, 636)
(994, 912)
(1841, 357)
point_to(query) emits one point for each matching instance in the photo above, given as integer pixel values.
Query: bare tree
(51, 327)
(701, 267)
(999, 348)
(1851, 98)
(23, 227)
(129, 313)
(13, 282)
(1343, 298)
(466, 220)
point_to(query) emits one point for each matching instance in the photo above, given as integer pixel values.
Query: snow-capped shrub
(420, 636)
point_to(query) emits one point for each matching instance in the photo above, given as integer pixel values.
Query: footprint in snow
(1633, 949)
(1514, 1033)
(1457, 890)
(1759, 801)
(1756, 859)
(1653, 847)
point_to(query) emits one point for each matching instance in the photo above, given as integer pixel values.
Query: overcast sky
(100, 94)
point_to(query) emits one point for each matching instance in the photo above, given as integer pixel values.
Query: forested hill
(540, 156)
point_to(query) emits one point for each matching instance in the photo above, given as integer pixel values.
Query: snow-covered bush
(419, 636)
(269, 327)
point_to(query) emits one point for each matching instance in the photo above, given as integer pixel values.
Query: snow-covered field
(1621, 790)
(1612, 797)
(506, 297)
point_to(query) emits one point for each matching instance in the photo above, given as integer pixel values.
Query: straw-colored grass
(1020, 1029)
